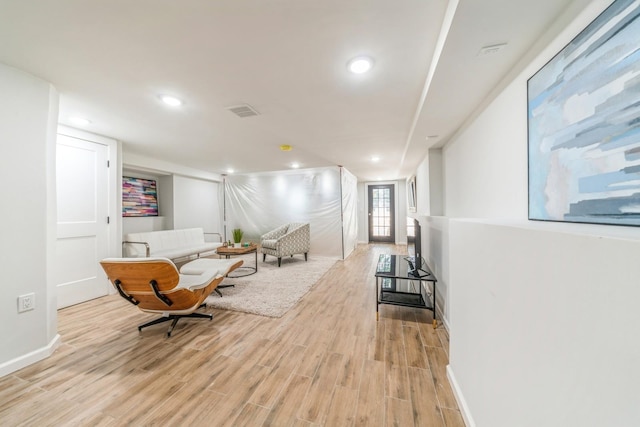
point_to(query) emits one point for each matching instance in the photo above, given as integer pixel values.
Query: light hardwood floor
(327, 362)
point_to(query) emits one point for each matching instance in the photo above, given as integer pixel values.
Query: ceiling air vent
(244, 110)
(491, 50)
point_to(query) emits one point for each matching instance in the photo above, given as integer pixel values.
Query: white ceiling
(110, 59)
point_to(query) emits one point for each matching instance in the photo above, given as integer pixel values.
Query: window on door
(381, 213)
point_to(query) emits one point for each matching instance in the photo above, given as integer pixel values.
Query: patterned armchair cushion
(270, 243)
(277, 233)
(287, 240)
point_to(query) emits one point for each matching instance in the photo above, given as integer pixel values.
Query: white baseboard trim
(462, 404)
(440, 316)
(18, 363)
(445, 322)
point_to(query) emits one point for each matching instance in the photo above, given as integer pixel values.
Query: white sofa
(170, 244)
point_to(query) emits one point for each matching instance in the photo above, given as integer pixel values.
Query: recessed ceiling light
(375, 159)
(171, 100)
(80, 121)
(230, 170)
(295, 165)
(360, 65)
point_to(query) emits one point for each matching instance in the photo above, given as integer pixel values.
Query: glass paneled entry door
(381, 214)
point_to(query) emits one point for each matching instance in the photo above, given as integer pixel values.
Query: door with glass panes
(381, 214)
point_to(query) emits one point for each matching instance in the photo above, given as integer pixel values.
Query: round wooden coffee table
(228, 252)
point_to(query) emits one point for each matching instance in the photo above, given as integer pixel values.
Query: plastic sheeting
(326, 198)
(349, 212)
(258, 203)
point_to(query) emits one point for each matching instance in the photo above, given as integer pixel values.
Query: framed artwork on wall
(584, 125)
(411, 194)
(139, 197)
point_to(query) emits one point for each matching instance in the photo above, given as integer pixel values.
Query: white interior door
(82, 229)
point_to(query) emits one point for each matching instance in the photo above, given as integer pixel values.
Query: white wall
(401, 212)
(423, 202)
(540, 314)
(144, 224)
(363, 224)
(196, 204)
(435, 251)
(435, 238)
(166, 202)
(486, 166)
(29, 112)
(436, 183)
(429, 184)
(144, 163)
(544, 324)
(186, 197)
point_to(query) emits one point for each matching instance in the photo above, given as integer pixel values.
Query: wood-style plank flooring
(327, 362)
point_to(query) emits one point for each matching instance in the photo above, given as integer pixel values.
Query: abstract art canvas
(584, 125)
(139, 197)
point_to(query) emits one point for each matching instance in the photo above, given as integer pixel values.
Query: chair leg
(175, 318)
(279, 261)
(217, 289)
(199, 315)
(305, 256)
(173, 325)
(155, 322)
(264, 257)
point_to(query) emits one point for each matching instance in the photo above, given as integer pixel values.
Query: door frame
(395, 205)
(114, 187)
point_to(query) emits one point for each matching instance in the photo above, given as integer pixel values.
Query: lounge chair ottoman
(200, 265)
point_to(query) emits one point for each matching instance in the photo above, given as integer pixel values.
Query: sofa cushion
(173, 253)
(169, 243)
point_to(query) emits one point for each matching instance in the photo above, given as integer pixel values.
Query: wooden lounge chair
(154, 285)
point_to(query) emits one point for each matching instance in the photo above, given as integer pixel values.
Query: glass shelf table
(397, 285)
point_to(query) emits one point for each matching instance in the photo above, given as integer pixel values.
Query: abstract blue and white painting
(584, 125)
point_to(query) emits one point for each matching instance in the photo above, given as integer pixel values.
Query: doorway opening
(382, 214)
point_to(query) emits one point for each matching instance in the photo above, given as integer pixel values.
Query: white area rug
(272, 291)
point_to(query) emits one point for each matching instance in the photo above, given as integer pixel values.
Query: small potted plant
(237, 237)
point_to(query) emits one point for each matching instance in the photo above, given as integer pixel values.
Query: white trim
(87, 136)
(445, 322)
(462, 403)
(20, 362)
(395, 205)
(443, 36)
(439, 314)
(114, 191)
(114, 207)
(147, 164)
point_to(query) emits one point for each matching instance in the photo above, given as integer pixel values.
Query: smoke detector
(243, 110)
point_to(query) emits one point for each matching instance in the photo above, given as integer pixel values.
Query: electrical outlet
(26, 302)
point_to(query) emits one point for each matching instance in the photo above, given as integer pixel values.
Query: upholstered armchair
(286, 240)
